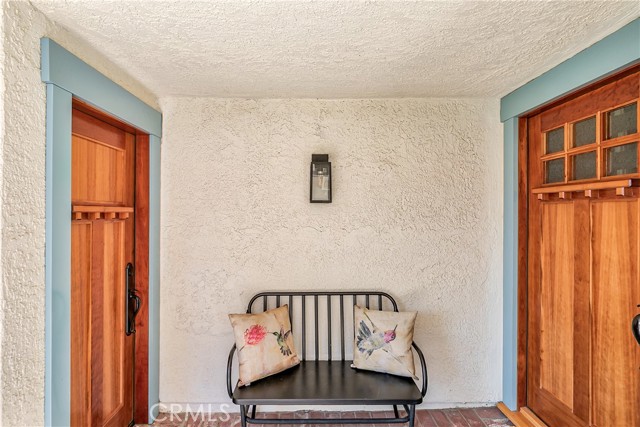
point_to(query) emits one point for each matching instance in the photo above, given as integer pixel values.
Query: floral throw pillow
(383, 341)
(264, 342)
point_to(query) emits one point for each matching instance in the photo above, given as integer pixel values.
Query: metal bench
(322, 326)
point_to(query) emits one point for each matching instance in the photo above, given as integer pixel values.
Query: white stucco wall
(23, 204)
(2, 59)
(417, 212)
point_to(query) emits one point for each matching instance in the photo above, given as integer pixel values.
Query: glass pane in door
(584, 132)
(623, 159)
(554, 171)
(555, 141)
(622, 121)
(584, 165)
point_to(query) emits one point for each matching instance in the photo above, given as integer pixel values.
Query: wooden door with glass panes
(583, 363)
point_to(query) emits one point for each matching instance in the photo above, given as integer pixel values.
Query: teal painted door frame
(615, 52)
(68, 77)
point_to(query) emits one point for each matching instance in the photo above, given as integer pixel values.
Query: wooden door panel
(103, 162)
(558, 385)
(97, 347)
(116, 369)
(111, 349)
(556, 319)
(582, 312)
(81, 250)
(616, 292)
(97, 129)
(98, 172)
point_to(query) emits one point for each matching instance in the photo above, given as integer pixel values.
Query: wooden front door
(102, 246)
(583, 363)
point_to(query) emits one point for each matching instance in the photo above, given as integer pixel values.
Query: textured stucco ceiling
(338, 49)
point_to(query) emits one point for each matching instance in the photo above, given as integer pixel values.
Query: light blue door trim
(57, 258)
(510, 257)
(65, 70)
(615, 52)
(66, 77)
(154, 275)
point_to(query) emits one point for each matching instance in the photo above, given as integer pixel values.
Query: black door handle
(635, 327)
(132, 301)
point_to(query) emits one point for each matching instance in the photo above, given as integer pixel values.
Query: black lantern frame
(320, 179)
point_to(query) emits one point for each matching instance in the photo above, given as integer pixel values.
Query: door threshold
(524, 418)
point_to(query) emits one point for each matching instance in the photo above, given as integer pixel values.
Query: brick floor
(456, 417)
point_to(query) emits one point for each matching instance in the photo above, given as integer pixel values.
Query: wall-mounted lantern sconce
(320, 191)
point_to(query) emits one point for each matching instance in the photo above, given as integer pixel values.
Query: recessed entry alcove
(453, 129)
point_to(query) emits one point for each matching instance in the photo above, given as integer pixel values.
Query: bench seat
(329, 383)
(322, 323)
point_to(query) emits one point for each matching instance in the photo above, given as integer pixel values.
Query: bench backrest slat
(325, 309)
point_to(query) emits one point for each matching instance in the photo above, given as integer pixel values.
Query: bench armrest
(229, 369)
(423, 365)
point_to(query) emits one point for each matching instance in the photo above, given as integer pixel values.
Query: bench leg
(412, 414)
(243, 415)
